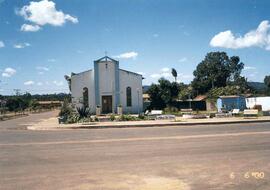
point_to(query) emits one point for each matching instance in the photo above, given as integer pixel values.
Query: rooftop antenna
(106, 55)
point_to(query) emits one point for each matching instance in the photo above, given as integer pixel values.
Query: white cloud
(30, 28)
(44, 12)
(259, 37)
(21, 45)
(183, 59)
(40, 73)
(2, 44)
(160, 75)
(155, 75)
(51, 60)
(166, 75)
(29, 83)
(141, 73)
(8, 72)
(41, 68)
(186, 76)
(164, 72)
(165, 69)
(58, 83)
(127, 55)
(6, 75)
(249, 68)
(39, 83)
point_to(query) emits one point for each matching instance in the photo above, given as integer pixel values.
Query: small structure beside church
(263, 101)
(231, 102)
(107, 87)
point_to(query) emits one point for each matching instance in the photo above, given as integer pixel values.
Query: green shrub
(142, 116)
(74, 118)
(112, 117)
(83, 112)
(66, 109)
(95, 119)
(171, 110)
(86, 119)
(128, 118)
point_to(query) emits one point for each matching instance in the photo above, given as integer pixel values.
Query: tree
(163, 94)
(16, 104)
(267, 81)
(185, 92)
(216, 70)
(214, 93)
(155, 96)
(65, 110)
(174, 74)
(235, 67)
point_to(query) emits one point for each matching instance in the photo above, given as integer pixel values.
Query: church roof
(132, 72)
(81, 72)
(106, 58)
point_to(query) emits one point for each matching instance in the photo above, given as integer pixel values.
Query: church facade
(107, 87)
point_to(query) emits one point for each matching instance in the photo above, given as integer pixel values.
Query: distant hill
(145, 88)
(258, 86)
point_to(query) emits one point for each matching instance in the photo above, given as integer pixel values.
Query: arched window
(129, 97)
(85, 97)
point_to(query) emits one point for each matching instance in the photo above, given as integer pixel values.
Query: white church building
(107, 87)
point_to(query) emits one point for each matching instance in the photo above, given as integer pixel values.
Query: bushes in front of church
(69, 115)
(112, 117)
(128, 118)
(66, 112)
(83, 112)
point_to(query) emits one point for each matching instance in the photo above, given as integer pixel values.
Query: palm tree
(174, 74)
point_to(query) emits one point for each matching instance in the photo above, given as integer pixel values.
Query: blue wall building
(231, 102)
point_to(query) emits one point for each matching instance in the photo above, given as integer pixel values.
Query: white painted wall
(107, 87)
(135, 82)
(78, 82)
(107, 80)
(264, 101)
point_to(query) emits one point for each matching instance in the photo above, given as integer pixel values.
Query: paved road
(21, 122)
(158, 158)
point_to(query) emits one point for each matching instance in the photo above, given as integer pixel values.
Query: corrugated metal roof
(231, 96)
(200, 97)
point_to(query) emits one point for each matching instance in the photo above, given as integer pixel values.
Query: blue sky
(41, 41)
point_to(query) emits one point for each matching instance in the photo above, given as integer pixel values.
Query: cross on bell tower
(106, 55)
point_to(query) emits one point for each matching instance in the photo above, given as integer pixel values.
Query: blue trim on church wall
(96, 73)
(117, 86)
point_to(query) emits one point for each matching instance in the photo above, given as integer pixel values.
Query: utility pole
(17, 92)
(138, 93)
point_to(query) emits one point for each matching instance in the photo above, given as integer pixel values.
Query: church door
(106, 104)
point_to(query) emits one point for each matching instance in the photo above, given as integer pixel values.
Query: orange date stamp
(248, 175)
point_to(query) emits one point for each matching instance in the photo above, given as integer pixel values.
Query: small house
(231, 102)
(263, 101)
(210, 105)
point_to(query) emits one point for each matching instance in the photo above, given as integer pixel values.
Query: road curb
(149, 125)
